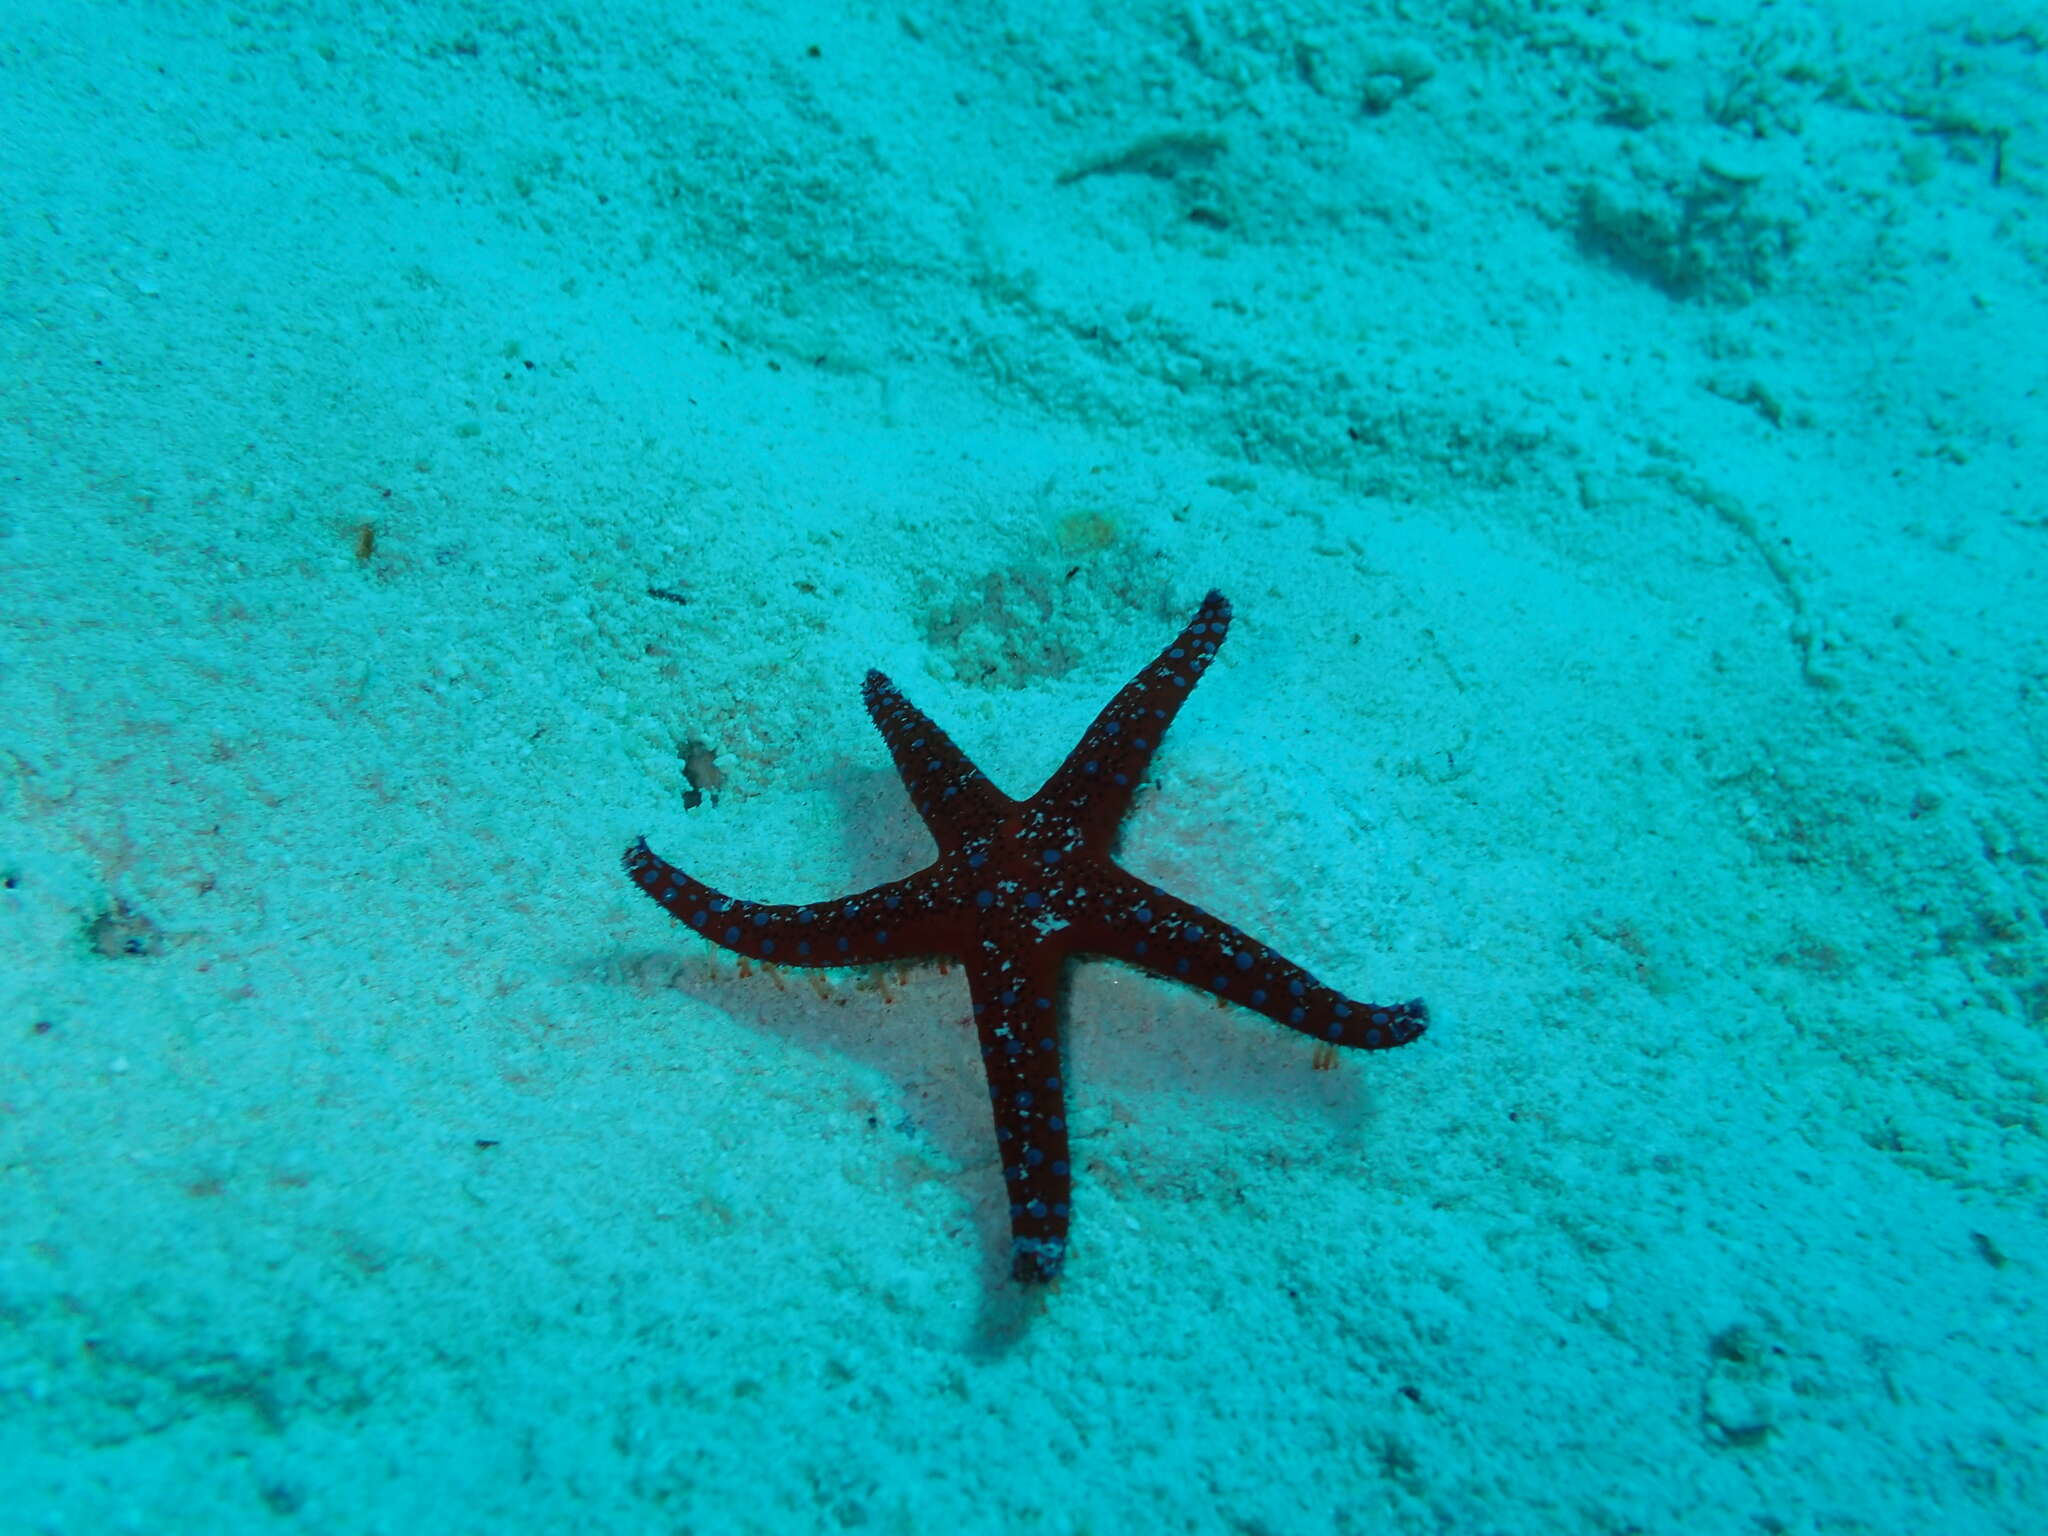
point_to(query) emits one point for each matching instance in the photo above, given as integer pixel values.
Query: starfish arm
(953, 796)
(1016, 1014)
(896, 921)
(1093, 787)
(1143, 926)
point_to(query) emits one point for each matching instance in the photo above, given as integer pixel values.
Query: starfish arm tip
(1036, 1261)
(1410, 1020)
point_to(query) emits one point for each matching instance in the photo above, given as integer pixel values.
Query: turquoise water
(441, 445)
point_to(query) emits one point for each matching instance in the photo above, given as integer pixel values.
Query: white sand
(1623, 440)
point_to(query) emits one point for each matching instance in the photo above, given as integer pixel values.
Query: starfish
(1018, 889)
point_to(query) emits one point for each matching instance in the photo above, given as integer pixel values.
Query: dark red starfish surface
(1018, 888)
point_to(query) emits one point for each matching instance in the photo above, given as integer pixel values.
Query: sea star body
(1019, 888)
